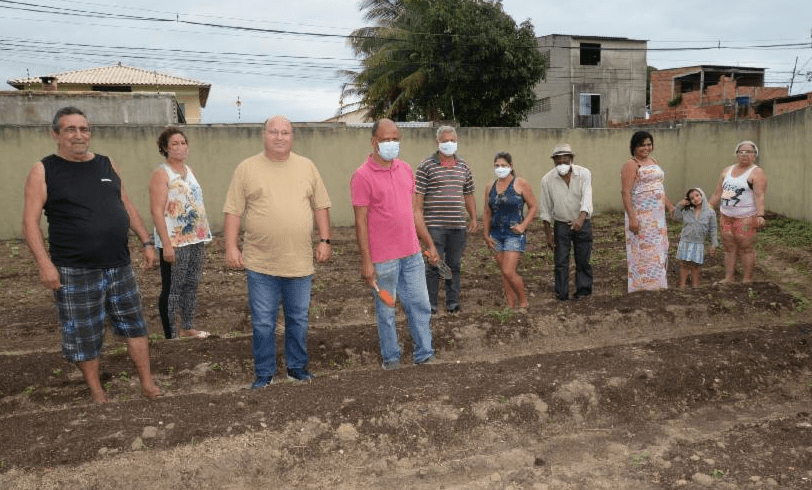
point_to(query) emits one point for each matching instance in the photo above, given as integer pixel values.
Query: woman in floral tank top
(181, 229)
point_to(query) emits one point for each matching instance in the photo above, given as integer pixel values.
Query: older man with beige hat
(566, 210)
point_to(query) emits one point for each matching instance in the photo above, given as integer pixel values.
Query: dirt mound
(675, 388)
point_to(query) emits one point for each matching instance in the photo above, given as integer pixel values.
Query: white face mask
(501, 172)
(389, 150)
(563, 168)
(448, 148)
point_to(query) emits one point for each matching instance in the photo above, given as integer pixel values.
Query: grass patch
(786, 231)
(801, 303)
(501, 315)
(119, 349)
(640, 458)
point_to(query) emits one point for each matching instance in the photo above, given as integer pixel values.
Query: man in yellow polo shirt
(277, 194)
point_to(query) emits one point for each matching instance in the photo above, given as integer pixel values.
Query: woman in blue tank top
(505, 224)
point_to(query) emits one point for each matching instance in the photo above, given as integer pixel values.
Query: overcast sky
(293, 72)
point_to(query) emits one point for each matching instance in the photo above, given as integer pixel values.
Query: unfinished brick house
(717, 92)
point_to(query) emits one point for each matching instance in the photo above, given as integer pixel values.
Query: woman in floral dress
(645, 203)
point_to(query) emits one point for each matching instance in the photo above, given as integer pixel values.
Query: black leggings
(179, 287)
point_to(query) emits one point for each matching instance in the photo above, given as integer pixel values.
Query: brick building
(713, 92)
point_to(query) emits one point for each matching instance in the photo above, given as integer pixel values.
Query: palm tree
(391, 76)
(444, 59)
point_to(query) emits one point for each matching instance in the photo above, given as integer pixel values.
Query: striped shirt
(444, 190)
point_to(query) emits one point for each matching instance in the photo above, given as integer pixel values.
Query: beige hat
(562, 149)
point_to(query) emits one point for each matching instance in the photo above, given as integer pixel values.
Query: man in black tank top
(88, 267)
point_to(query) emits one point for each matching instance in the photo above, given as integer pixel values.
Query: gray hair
(445, 129)
(65, 111)
(279, 118)
(746, 142)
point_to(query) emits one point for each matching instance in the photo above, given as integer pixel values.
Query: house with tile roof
(191, 95)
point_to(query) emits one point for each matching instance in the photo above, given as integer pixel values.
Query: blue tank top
(507, 209)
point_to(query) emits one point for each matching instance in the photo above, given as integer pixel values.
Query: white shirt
(561, 202)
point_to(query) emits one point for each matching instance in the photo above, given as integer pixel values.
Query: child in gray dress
(700, 221)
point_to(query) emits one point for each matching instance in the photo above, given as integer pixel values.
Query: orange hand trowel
(387, 298)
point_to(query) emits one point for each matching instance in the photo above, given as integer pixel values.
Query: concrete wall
(691, 155)
(20, 107)
(557, 86)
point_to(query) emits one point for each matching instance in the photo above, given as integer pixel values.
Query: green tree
(429, 60)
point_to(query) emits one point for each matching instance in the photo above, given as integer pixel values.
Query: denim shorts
(510, 243)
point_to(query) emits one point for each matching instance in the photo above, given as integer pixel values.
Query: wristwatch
(325, 240)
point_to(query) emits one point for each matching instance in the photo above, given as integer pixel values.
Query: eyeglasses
(746, 152)
(277, 134)
(75, 130)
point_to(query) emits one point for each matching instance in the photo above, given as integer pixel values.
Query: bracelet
(324, 240)
(148, 243)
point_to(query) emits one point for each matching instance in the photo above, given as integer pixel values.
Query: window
(541, 105)
(111, 88)
(181, 110)
(589, 113)
(590, 104)
(590, 54)
(743, 105)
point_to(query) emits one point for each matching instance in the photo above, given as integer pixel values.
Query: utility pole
(789, 92)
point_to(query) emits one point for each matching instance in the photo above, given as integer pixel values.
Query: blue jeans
(450, 244)
(405, 279)
(264, 294)
(582, 243)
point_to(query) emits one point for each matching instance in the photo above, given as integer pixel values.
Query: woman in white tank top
(740, 197)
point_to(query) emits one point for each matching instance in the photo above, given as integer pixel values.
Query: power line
(253, 63)
(24, 6)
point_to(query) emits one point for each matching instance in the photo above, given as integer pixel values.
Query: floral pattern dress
(647, 251)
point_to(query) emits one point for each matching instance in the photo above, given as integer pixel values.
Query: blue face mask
(501, 172)
(389, 150)
(448, 148)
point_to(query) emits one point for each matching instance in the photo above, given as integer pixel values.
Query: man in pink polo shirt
(388, 223)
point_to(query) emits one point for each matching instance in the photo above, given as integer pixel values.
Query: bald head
(278, 138)
(385, 132)
(277, 118)
(383, 125)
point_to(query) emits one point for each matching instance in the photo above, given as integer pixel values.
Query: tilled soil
(707, 387)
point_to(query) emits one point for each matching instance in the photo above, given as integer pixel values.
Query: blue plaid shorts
(85, 299)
